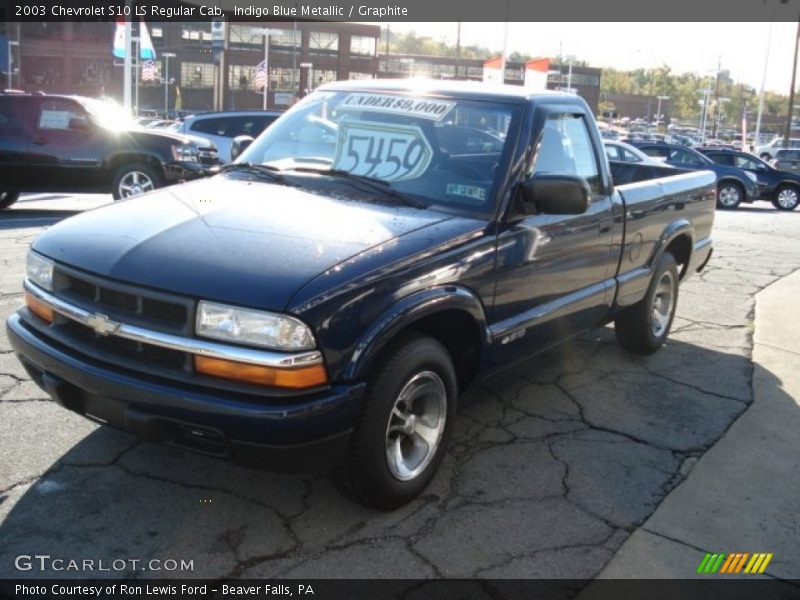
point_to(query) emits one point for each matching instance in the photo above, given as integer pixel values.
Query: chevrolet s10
(320, 302)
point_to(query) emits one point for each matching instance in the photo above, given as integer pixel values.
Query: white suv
(768, 151)
(222, 127)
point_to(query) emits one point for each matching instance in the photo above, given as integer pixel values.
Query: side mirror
(79, 123)
(240, 144)
(555, 195)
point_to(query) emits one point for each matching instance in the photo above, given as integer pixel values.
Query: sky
(697, 47)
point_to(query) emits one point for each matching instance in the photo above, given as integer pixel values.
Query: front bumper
(177, 171)
(297, 434)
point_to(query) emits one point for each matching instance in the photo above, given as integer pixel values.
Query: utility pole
(166, 56)
(757, 134)
(126, 87)
(788, 132)
(716, 99)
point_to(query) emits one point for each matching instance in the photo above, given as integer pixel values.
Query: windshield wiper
(373, 183)
(265, 171)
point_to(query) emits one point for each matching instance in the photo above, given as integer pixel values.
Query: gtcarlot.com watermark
(47, 563)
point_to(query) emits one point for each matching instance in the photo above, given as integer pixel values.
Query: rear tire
(133, 179)
(787, 197)
(729, 195)
(405, 424)
(644, 327)
(7, 198)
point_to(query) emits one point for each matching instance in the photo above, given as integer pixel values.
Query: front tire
(134, 179)
(7, 198)
(402, 435)
(729, 195)
(787, 197)
(643, 328)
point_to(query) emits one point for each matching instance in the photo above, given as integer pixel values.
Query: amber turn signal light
(296, 377)
(39, 308)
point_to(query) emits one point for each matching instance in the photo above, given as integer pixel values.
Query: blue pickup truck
(320, 303)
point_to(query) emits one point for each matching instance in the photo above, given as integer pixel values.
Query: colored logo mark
(739, 562)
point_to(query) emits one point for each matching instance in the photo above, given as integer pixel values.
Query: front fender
(407, 311)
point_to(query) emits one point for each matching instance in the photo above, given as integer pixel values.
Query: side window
(655, 151)
(11, 115)
(747, 163)
(684, 158)
(722, 159)
(55, 114)
(612, 152)
(629, 156)
(212, 126)
(566, 148)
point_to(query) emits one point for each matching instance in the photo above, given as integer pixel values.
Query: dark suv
(77, 144)
(734, 185)
(781, 187)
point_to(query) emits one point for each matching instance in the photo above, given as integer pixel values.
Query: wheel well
(729, 180)
(124, 159)
(681, 249)
(457, 331)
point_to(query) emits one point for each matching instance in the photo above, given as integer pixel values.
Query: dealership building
(76, 58)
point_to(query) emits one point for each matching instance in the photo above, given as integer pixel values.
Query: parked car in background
(782, 188)
(627, 153)
(222, 127)
(787, 160)
(207, 152)
(768, 151)
(77, 144)
(734, 185)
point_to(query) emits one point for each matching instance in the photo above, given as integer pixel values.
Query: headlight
(39, 270)
(253, 327)
(185, 152)
(751, 176)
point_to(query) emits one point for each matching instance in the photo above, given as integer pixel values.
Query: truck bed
(657, 201)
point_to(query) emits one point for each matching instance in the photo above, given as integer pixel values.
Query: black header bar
(378, 11)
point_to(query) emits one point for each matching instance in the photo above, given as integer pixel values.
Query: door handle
(40, 141)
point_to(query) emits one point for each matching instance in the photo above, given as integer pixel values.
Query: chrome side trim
(254, 356)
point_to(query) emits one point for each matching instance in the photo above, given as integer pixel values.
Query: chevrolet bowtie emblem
(102, 325)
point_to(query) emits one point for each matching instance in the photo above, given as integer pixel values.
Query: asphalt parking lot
(553, 465)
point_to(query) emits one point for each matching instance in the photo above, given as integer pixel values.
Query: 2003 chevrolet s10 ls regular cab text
(321, 301)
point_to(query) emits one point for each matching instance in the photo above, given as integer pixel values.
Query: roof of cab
(437, 87)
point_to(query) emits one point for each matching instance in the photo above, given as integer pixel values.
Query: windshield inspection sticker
(388, 152)
(473, 192)
(421, 108)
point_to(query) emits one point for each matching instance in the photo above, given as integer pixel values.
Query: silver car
(222, 127)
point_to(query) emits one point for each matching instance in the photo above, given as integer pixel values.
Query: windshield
(446, 153)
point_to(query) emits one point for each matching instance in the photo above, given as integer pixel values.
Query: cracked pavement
(551, 467)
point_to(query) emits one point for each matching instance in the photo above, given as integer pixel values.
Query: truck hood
(243, 242)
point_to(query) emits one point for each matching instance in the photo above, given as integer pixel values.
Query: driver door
(555, 273)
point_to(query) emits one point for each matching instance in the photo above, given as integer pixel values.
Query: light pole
(11, 44)
(167, 56)
(658, 110)
(718, 115)
(410, 63)
(266, 32)
(706, 95)
(309, 80)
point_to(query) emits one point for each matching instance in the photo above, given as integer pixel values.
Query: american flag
(261, 74)
(149, 70)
